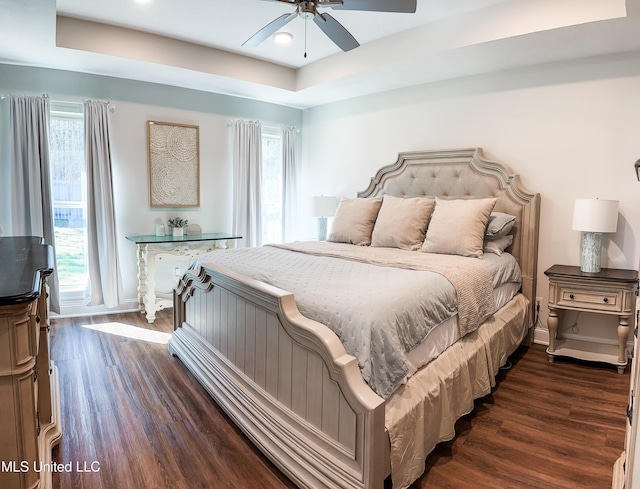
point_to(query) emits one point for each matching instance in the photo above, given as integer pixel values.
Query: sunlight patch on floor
(132, 332)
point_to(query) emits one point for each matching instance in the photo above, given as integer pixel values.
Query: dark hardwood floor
(134, 414)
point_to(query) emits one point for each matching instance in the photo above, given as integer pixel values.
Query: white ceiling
(198, 43)
(226, 24)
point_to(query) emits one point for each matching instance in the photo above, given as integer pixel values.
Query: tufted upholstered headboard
(467, 174)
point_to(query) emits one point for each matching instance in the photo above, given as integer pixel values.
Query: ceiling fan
(330, 26)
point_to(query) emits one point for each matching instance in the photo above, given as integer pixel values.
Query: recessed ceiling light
(143, 1)
(282, 37)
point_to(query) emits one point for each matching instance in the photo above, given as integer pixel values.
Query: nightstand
(610, 291)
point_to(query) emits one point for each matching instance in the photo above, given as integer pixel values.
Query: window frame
(71, 294)
(273, 133)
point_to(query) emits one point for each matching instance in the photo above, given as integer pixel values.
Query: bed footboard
(284, 379)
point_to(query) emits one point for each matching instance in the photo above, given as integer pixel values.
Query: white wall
(135, 103)
(571, 130)
(131, 180)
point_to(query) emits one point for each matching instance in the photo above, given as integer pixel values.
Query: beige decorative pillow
(402, 223)
(354, 221)
(457, 226)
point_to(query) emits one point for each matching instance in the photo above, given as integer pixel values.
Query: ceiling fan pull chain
(305, 36)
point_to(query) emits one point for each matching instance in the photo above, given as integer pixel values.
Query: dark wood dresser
(29, 391)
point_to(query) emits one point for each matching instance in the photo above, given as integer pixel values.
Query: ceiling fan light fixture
(308, 9)
(283, 37)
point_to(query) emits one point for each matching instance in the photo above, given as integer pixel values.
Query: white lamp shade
(324, 206)
(595, 216)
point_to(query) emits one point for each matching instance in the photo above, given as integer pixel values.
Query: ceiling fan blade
(402, 6)
(270, 29)
(334, 31)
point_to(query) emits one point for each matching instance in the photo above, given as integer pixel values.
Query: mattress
(446, 333)
(382, 303)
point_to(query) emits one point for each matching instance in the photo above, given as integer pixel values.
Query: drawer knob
(606, 299)
(570, 296)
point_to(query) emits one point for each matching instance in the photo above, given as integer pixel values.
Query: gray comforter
(379, 312)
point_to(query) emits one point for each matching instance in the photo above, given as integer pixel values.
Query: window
(271, 185)
(68, 180)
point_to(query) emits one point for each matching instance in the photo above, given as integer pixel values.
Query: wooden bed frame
(286, 380)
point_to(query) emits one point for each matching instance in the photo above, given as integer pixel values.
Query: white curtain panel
(31, 201)
(247, 182)
(105, 282)
(289, 183)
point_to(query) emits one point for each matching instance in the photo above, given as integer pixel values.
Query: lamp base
(590, 258)
(322, 229)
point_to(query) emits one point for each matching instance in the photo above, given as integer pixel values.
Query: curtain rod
(233, 121)
(6, 95)
(112, 107)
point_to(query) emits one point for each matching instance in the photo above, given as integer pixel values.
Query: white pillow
(354, 221)
(402, 223)
(457, 227)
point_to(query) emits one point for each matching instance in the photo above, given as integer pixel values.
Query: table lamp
(594, 217)
(323, 206)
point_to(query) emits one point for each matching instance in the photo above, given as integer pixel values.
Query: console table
(151, 247)
(29, 389)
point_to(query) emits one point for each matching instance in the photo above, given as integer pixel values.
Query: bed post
(178, 310)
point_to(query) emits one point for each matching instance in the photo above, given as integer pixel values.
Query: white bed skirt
(423, 412)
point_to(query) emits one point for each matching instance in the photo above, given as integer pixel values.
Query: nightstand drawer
(600, 300)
